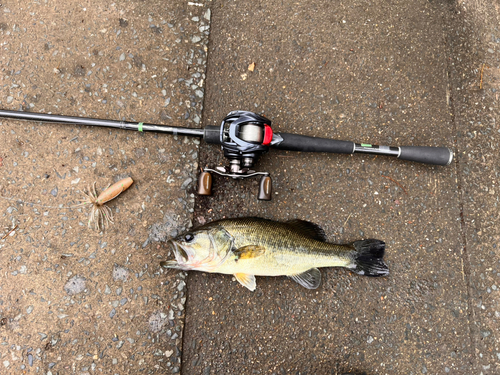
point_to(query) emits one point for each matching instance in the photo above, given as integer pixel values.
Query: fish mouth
(181, 257)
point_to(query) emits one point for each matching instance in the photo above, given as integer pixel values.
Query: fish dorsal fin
(308, 229)
(248, 281)
(249, 252)
(309, 279)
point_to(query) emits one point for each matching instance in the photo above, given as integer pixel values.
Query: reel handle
(265, 188)
(205, 183)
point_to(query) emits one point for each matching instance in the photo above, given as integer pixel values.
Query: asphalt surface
(74, 300)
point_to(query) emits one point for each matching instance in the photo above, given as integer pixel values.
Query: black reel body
(244, 136)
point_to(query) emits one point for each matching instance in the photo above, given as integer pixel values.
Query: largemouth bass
(250, 247)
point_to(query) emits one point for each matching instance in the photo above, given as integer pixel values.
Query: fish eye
(188, 237)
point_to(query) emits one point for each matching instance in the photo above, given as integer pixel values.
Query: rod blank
(137, 126)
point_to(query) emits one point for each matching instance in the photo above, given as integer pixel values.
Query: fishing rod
(243, 137)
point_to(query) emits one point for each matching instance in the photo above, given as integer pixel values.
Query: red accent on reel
(268, 135)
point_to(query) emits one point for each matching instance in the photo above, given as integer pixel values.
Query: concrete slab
(75, 300)
(475, 87)
(365, 72)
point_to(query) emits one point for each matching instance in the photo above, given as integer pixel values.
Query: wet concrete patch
(120, 273)
(75, 285)
(157, 321)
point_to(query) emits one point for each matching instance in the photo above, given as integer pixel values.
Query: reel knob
(265, 188)
(205, 183)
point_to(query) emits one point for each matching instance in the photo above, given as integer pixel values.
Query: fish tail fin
(368, 258)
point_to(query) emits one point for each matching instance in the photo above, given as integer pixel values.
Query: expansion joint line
(454, 109)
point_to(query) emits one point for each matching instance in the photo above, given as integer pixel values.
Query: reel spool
(244, 137)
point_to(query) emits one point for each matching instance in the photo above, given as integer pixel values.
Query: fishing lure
(100, 214)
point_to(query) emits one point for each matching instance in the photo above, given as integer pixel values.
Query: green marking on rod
(139, 126)
(365, 145)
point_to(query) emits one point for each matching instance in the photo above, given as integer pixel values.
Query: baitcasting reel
(243, 137)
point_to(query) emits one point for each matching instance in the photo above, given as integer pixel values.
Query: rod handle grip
(427, 155)
(295, 142)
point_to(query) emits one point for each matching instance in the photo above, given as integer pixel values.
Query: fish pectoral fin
(246, 280)
(309, 279)
(249, 252)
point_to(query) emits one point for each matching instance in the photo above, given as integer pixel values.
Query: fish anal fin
(249, 252)
(248, 281)
(308, 229)
(309, 279)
